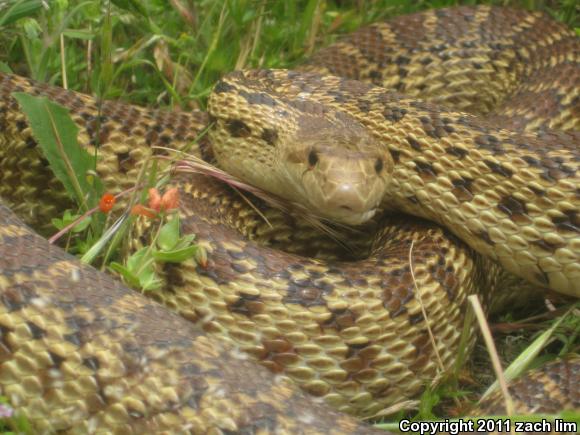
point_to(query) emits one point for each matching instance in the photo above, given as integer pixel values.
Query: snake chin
(359, 218)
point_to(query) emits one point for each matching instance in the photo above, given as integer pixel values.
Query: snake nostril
(346, 207)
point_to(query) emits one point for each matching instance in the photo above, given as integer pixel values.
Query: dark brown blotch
(416, 318)
(462, 189)
(425, 169)
(569, 222)
(238, 128)
(435, 126)
(247, 305)
(355, 348)
(532, 161)
(395, 155)
(125, 162)
(36, 331)
(92, 363)
(21, 125)
(270, 136)
(456, 151)
(56, 359)
(74, 338)
(414, 143)
(340, 319)
(304, 293)
(498, 168)
(423, 351)
(490, 143)
(548, 246)
(394, 114)
(222, 87)
(512, 206)
(484, 235)
(30, 142)
(258, 98)
(537, 191)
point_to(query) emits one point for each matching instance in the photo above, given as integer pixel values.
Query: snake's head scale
(337, 168)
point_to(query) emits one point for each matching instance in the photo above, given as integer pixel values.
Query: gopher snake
(349, 332)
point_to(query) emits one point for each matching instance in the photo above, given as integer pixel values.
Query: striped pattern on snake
(353, 333)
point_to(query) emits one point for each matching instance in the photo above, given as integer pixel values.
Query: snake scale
(80, 353)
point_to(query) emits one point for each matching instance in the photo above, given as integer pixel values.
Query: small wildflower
(154, 199)
(158, 203)
(170, 199)
(107, 202)
(6, 411)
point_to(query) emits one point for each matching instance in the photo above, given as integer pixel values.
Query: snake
(468, 123)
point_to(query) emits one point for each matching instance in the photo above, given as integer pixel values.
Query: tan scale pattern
(343, 331)
(82, 354)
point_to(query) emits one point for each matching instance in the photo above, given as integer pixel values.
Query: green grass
(171, 52)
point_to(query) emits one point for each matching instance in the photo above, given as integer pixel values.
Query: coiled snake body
(81, 353)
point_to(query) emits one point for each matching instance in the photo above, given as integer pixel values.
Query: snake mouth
(351, 218)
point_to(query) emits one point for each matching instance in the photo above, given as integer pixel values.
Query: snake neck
(512, 196)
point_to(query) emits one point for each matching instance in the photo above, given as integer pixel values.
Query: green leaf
(20, 10)
(5, 68)
(149, 280)
(140, 271)
(141, 265)
(176, 255)
(56, 134)
(174, 249)
(187, 239)
(169, 235)
(31, 28)
(79, 34)
(68, 218)
(130, 279)
(136, 261)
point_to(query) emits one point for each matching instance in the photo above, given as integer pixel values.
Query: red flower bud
(107, 202)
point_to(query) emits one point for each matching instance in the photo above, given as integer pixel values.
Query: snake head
(336, 168)
(291, 145)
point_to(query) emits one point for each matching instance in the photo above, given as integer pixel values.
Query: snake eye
(312, 158)
(379, 165)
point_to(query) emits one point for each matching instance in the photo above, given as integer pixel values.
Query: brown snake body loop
(81, 353)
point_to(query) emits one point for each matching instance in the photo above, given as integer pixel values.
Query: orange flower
(170, 199)
(158, 203)
(154, 199)
(107, 202)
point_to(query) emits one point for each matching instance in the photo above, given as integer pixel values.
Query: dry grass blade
(489, 343)
(423, 311)
(403, 406)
